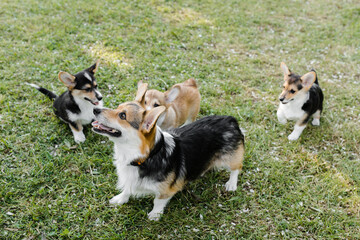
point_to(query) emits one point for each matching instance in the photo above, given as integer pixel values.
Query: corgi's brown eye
(145, 102)
(88, 89)
(122, 116)
(292, 91)
(156, 105)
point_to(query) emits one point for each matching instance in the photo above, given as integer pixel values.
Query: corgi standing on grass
(150, 161)
(300, 100)
(76, 105)
(181, 102)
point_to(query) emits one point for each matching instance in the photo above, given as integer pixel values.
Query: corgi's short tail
(191, 82)
(316, 80)
(44, 91)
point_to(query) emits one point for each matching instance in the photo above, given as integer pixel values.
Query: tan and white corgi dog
(75, 106)
(151, 161)
(300, 100)
(181, 102)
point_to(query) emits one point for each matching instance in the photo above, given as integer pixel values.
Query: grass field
(52, 188)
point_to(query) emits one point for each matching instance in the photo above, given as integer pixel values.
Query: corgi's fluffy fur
(150, 161)
(76, 105)
(182, 103)
(300, 100)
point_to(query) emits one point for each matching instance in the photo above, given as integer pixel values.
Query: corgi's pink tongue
(100, 126)
(96, 103)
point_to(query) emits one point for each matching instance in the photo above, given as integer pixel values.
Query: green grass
(52, 188)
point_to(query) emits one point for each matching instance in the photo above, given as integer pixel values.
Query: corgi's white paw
(293, 136)
(79, 137)
(230, 186)
(119, 199)
(154, 215)
(315, 122)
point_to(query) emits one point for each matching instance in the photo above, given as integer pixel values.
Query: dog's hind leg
(316, 120)
(77, 130)
(235, 165)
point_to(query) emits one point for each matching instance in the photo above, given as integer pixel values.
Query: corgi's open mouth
(93, 103)
(102, 129)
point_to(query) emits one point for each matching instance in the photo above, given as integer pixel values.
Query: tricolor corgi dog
(151, 161)
(300, 100)
(76, 105)
(181, 102)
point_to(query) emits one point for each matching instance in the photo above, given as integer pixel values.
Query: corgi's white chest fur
(86, 114)
(129, 179)
(293, 110)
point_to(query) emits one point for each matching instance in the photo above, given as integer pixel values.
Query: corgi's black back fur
(196, 145)
(315, 102)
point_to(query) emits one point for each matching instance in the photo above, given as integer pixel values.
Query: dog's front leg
(77, 130)
(299, 127)
(281, 116)
(121, 198)
(158, 209)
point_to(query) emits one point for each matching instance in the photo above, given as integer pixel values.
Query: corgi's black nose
(99, 98)
(97, 111)
(281, 99)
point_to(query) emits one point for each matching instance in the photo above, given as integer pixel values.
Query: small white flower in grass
(201, 217)
(10, 214)
(172, 77)
(102, 142)
(195, 230)
(98, 222)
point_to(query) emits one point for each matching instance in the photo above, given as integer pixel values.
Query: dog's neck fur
(127, 151)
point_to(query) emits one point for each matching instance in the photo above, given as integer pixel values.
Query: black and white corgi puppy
(76, 105)
(300, 100)
(150, 161)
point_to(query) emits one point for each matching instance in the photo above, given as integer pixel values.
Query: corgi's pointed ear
(172, 94)
(285, 69)
(67, 79)
(308, 79)
(94, 67)
(140, 95)
(151, 118)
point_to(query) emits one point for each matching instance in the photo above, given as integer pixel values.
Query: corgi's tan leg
(235, 167)
(77, 131)
(298, 128)
(158, 209)
(168, 189)
(316, 120)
